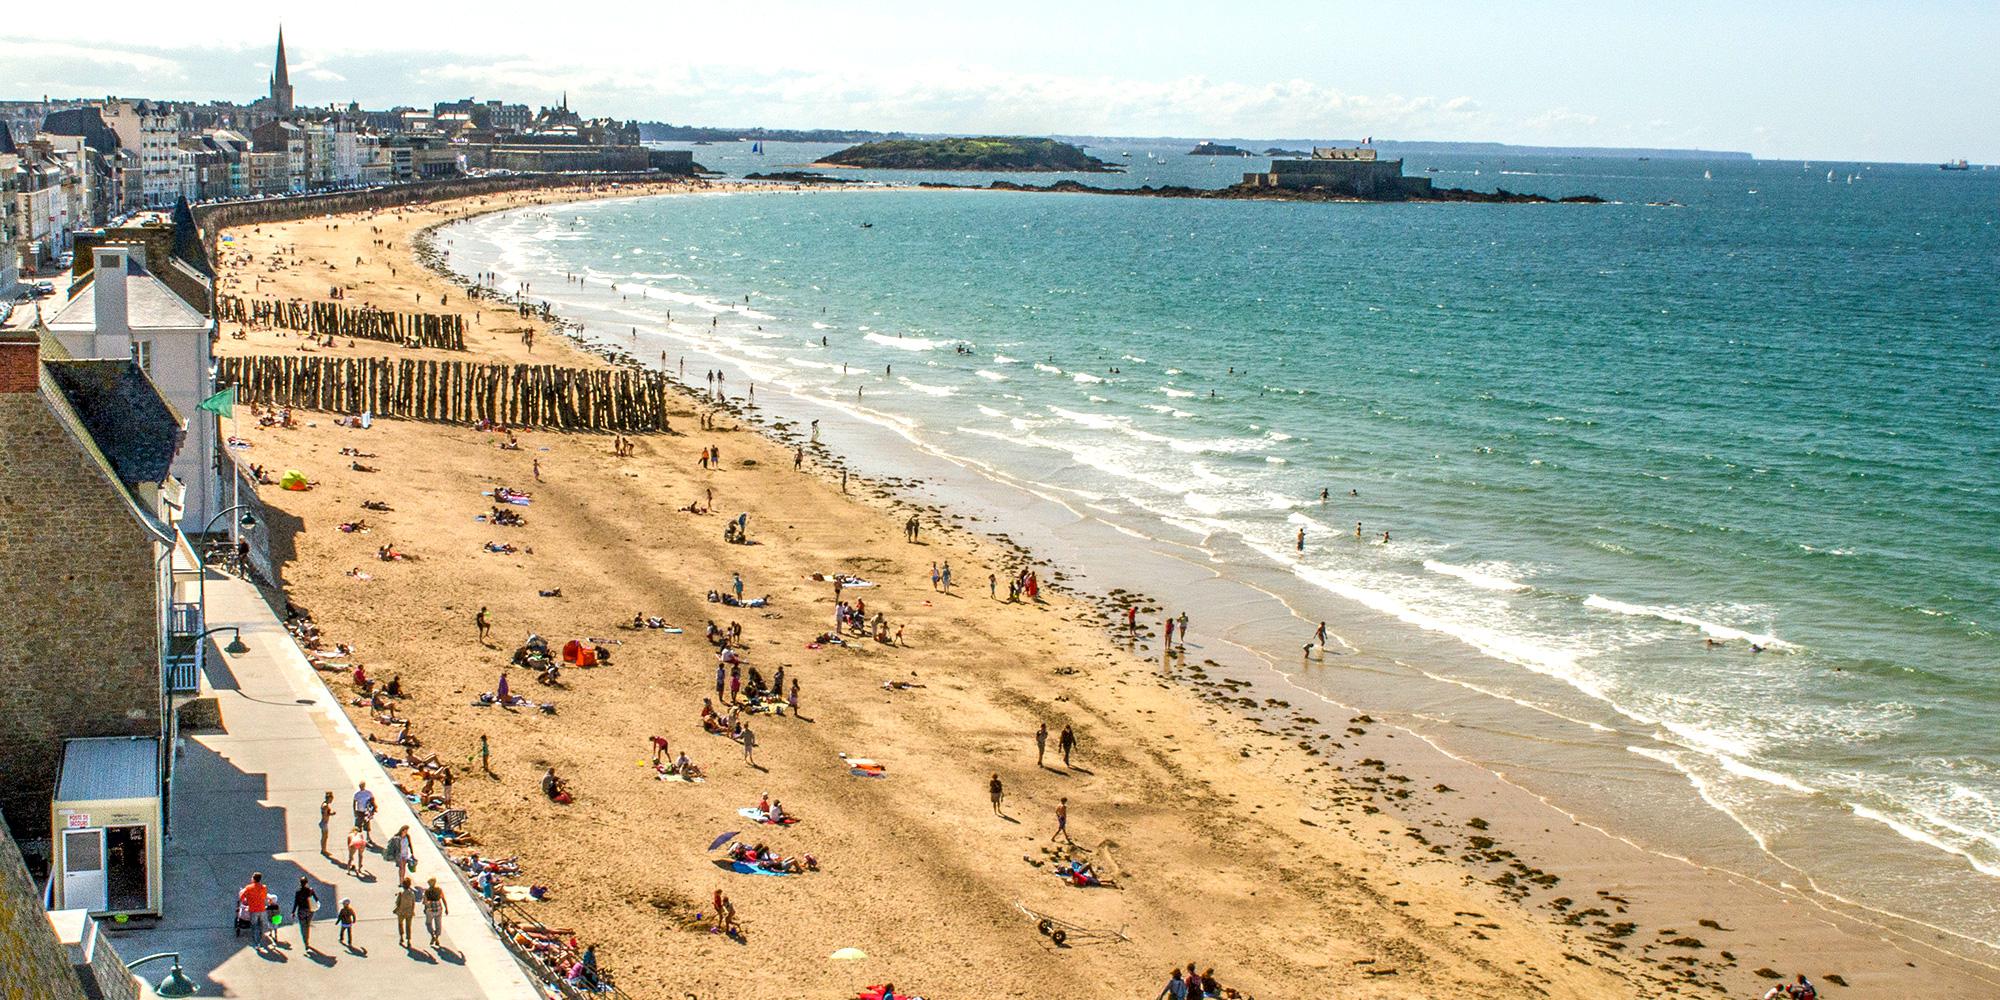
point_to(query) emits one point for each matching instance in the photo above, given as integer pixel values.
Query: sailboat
(757, 148)
(1705, 175)
(1829, 177)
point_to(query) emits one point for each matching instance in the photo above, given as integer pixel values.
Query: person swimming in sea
(1357, 531)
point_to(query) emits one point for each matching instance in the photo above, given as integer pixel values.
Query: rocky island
(1330, 174)
(998, 153)
(1206, 148)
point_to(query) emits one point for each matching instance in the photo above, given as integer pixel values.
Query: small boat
(867, 225)
(1954, 165)
(1127, 154)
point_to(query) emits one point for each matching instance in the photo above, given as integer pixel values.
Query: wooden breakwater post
(623, 400)
(445, 331)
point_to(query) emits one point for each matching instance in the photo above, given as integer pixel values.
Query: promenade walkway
(247, 799)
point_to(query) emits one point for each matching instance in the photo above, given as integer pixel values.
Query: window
(142, 353)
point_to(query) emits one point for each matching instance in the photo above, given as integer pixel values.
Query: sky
(1833, 81)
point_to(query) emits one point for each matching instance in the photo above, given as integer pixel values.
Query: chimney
(20, 361)
(108, 264)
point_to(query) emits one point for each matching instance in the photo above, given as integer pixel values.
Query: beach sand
(1297, 853)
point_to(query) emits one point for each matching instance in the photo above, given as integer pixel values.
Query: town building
(152, 132)
(98, 586)
(144, 291)
(10, 216)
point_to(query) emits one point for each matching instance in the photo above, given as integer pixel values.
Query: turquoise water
(1598, 437)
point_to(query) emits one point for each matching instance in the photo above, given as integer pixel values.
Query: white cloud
(29, 52)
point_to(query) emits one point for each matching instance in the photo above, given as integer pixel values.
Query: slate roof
(85, 122)
(124, 413)
(6, 140)
(149, 305)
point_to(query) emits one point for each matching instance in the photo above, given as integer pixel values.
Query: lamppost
(201, 561)
(175, 983)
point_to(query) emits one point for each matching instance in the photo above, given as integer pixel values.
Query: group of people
(1191, 985)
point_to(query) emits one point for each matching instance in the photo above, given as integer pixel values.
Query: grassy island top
(981, 153)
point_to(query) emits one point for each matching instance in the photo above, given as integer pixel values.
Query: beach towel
(664, 776)
(523, 893)
(754, 813)
(862, 767)
(746, 868)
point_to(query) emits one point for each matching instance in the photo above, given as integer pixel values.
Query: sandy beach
(1294, 852)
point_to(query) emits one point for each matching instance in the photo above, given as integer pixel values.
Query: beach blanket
(752, 812)
(746, 868)
(862, 767)
(524, 893)
(516, 499)
(664, 776)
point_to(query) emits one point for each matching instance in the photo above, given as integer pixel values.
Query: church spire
(281, 80)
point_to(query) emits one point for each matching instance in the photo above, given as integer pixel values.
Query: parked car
(42, 289)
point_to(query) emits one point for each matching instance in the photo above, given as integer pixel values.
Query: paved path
(247, 799)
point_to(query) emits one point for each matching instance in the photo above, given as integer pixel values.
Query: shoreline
(1769, 879)
(1341, 813)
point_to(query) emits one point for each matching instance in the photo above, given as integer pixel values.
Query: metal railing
(183, 666)
(185, 619)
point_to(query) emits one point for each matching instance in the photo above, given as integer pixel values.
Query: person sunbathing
(354, 527)
(551, 592)
(501, 547)
(829, 639)
(694, 508)
(375, 505)
(358, 467)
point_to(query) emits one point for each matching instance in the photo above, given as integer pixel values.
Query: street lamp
(236, 646)
(201, 560)
(175, 983)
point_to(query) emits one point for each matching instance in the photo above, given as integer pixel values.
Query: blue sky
(1908, 81)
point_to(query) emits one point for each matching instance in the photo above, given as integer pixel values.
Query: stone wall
(34, 965)
(79, 627)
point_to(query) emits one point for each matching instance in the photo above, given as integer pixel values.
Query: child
(344, 919)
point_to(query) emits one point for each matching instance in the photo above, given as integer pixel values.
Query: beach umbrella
(724, 839)
(293, 479)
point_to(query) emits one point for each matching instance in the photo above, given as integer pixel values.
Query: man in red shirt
(251, 904)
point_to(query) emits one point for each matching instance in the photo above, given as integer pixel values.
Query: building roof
(104, 768)
(6, 140)
(85, 122)
(124, 414)
(149, 305)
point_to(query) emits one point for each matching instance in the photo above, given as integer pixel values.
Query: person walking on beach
(792, 702)
(325, 822)
(749, 739)
(934, 576)
(1062, 821)
(1302, 540)
(735, 683)
(1319, 636)
(736, 582)
(434, 911)
(484, 623)
(721, 678)
(364, 811)
(1184, 628)
(1041, 743)
(538, 470)
(994, 790)
(992, 586)
(1067, 743)
(484, 755)
(305, 903)
(406, 913)
(946, 576)
(1132, 618)
(1170, 634)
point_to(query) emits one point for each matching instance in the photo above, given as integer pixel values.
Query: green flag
(221, 403)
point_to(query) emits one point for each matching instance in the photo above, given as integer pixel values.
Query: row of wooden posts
(412, 329)
(547, 396)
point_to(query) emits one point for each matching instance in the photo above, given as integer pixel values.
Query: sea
(1681, 511)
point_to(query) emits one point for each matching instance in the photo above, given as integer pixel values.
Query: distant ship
(1954, 165)
(1706, 176)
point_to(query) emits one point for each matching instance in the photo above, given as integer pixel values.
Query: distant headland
(990, 153)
